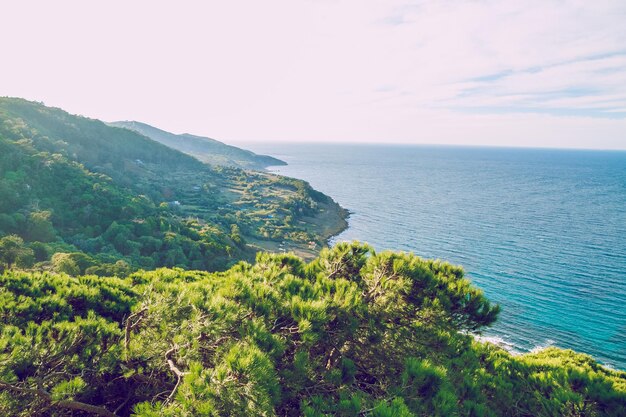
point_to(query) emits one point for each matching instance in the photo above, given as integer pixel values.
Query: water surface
(542, 232)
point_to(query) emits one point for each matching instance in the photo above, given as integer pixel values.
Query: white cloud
(393, 70)
(598, 83)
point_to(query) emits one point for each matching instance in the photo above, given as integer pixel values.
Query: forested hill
(77, 195)
(205, 149)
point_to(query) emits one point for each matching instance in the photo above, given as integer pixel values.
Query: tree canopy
(352, 333)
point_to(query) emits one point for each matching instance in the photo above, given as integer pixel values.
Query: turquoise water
(542, 232)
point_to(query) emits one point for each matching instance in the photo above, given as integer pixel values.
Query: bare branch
(68, 404)
(34, 391)
(130, 326)
(77, 405)
(171, 363)
(179, 374)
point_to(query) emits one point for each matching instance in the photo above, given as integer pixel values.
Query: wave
(511, 347)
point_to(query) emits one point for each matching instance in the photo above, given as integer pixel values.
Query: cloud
(353, 70)
(595, 84)
(528, 54)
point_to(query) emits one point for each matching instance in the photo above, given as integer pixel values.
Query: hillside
(206, 150)
(353, 333)
(107, 196)
(83, 331)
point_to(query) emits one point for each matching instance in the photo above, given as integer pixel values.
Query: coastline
(330, 221)
(489, 277)
(514, 350)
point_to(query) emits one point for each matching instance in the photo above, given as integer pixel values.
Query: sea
(541, 231)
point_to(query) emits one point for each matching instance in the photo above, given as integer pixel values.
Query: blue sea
(541, 231)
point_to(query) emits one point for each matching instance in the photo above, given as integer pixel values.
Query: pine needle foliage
(353, 333)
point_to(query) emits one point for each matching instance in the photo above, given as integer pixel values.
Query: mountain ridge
(205, 149)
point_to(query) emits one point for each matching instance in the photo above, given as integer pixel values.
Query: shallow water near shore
(541, 231)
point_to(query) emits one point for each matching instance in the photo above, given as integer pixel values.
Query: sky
(506, 73)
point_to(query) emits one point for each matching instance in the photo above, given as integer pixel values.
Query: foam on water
(499, 341)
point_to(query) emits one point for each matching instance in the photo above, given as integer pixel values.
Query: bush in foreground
(353, 333)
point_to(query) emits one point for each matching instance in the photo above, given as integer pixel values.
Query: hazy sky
(527, 73)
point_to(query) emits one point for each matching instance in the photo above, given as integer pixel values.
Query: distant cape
(205, 149)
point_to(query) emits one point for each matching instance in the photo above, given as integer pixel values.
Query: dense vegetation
(79, 196)
(353, 333)
(83, 331)
(205, 149)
